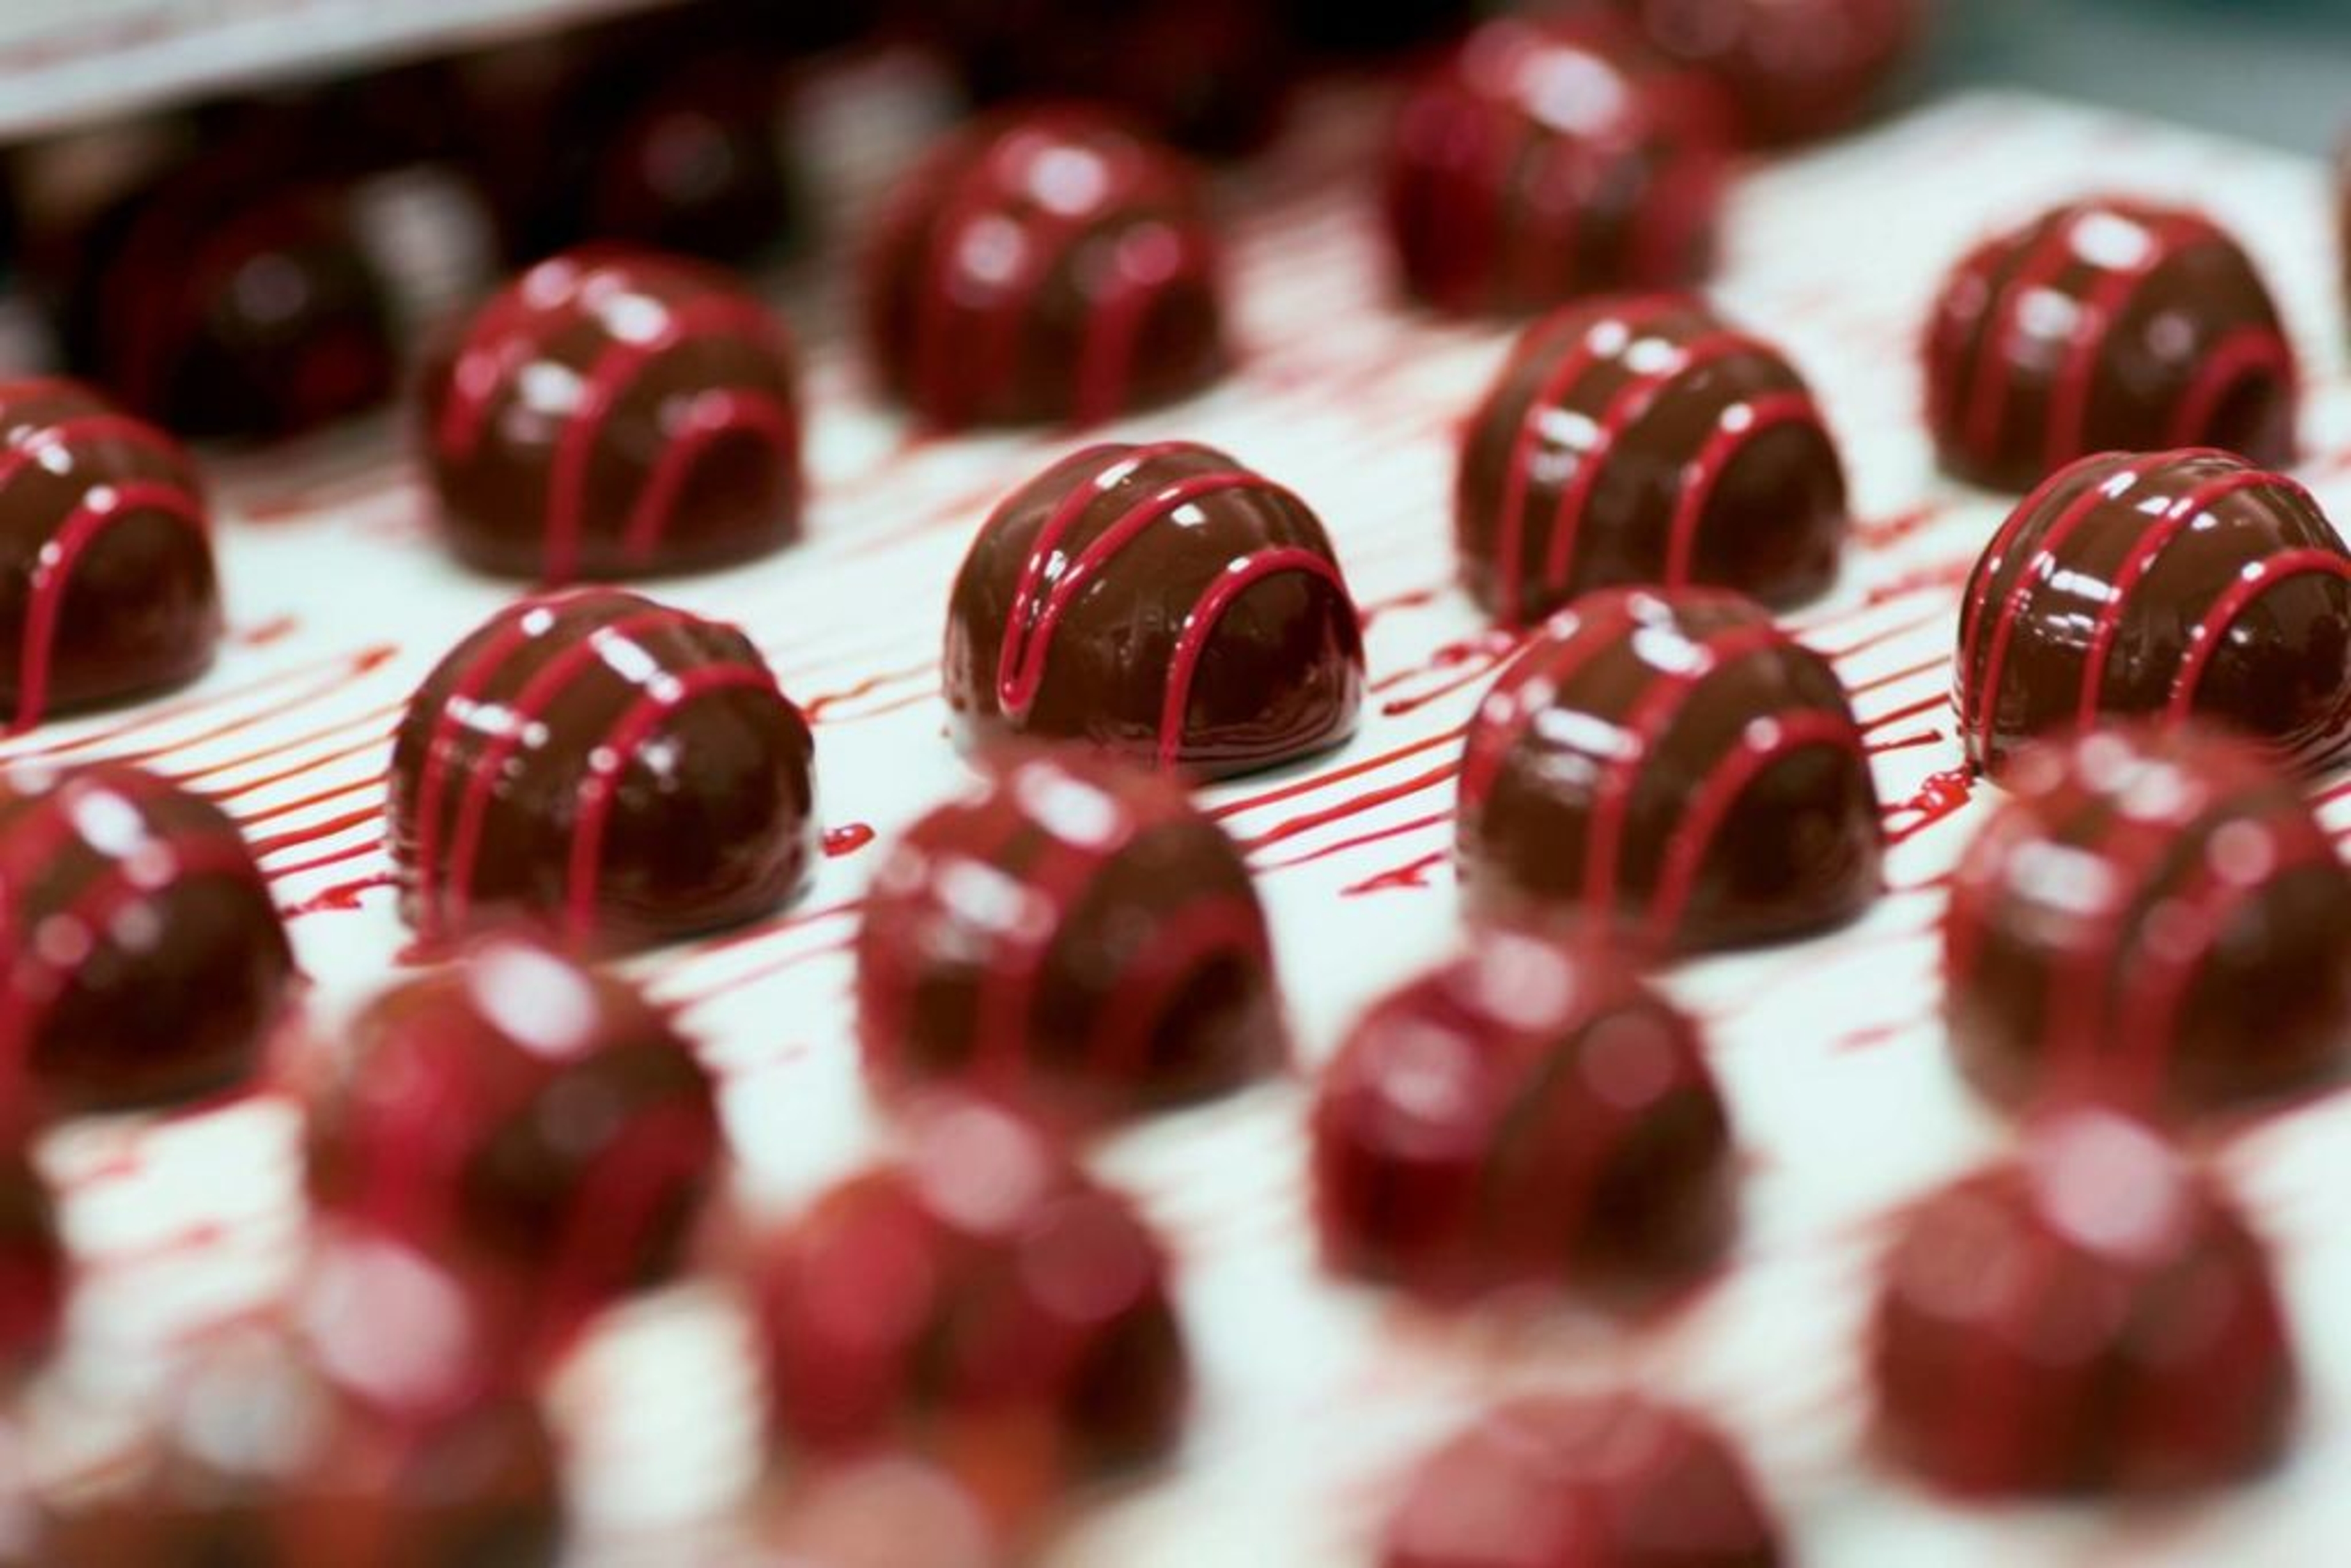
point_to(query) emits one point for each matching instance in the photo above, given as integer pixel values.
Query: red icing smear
(1896, 677)
(1883, 533)
(950, 376)
(262, 633)
(1876, 639)
(1412, 873)
(819, 709)
(254, 818)
(1309, 786)
(847, 839)
(1904, 742)
(1377, 836)
(1908, 710)
(1037, 609)
(316, 832)
(1943, 795)
(1352, 806)
(320, 862)
(1483, 653)
(1948, 574)
(546, 304)
(1411, 599)
(343, 896)
(688, 999)
(342, 670)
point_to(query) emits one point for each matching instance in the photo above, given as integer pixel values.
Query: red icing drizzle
(847, 839)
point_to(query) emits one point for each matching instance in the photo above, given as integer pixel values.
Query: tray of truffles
(1572, 799)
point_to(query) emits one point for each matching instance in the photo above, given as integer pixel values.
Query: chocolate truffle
(1549, 157)
(2105, 326)
(539, 1125)
(1794, 69)
(985, 1298)
(2159, 586)
(2094, 1317)
(613, 769)
(107, 589)
(1131, 969)
(1531, 1113)
(616, 413)
(369, 1448)
(1158, 602)
(228, 300)
(1674, 763)
(2195, 951)
(1211, 75)
(32, 1264)
(1044, 266)
(1645, 441)
(146, 963)
(1583, 1480)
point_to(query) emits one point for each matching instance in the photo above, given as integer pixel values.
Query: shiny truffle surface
(1044, 266)
(2093, 1317)
(2154, 919)
(1162, 603)
(1127, 965)
(1645, 440)
(1793, 69)
(1583, 1480)
(983, 1296)
(107, 588)
(2106, 325)
(605, 767)
(146, 963)
(1672, 765)
(1529, 1115)
(537, 1124)
(1548, 158)
(615, 413)
(2159, 586)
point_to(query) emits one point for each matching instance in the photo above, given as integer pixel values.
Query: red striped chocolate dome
(2154, 919)
(2162, 586)
(1545, 158)
(1529, 1115)
(2103, 326)
(614, 412)
(1645, 441)
(1121, 962)
(107, 585)
(1045, 266)
(145, 959)
(2094, 1316)
(1674, 765)
(1159, 603)
(604, 767)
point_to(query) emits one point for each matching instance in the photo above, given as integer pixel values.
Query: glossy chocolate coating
(2158, 586)
(1044, 266)
(1210, 75)
(1583, 1480)
(230, 299)
(107, 586)
(614, 770)
(162, 965)
(1528, 1114)
(33, 1262)
(531, 1122)
(2105, 326)
(616, 413)
(1547, 159)
(2201, 955)
(265, 1455)
(1142, 974)
(1672, 764)
(2093, 1317)
(985, 1295)
(1645, 440)
(1162, 603)
(1794, 69)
